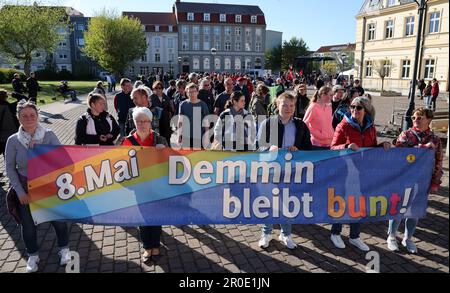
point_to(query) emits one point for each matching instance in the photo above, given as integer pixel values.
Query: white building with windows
(387, 33)
(162, 40)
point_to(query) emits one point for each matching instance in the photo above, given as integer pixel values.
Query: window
(248, 32)
(217, 64)
(170, 43)
(227, 64)
(63, 67)
(409, 26)
(217, 30)
(144, 70)
(258, 34)
(196, 63)
(62, 56)
(406, 68)
(171, 57)
(157, 42)
(144, 58)
(206, 45)
(248, 46)
(258, 47)
(185, 46)
(223, 18)
(185, 30)
(227, 46)
(196, 46)
(237, 31)
(206, 30)
(170, 29)
(374, 2)
(196, 30)
(80, 42)
(248, 63)
(237, 63)
(217, 46)
(157, 57)
(80, 27)
(228, 31)
(238, 18)
(389, 29)
(206, 17)
(62, 44)
(190, 16)
(254, 19)
(206, 64)
(238, 46)
(156, 28)
(387, 68)
(369, 65)
(434, 22)
(371, 33)
(429, 68)
(390, 3)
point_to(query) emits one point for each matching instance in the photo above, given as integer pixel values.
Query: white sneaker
(410, 245)
(392, 244)
(360, 244)
(337, 241)
(33, 264)
(264, 241)
(65, 256)
(287, 240)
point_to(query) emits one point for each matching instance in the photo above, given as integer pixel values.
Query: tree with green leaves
(273, 58)
(28, 29)
(293, 49)
(114, 41)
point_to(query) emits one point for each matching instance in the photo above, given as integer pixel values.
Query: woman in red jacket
(357, 130)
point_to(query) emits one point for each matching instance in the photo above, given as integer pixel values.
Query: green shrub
(7, 74)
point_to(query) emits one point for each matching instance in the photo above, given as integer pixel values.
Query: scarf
(90, 128)
(27, 140)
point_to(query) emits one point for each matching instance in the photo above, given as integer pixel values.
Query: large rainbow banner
(130, 186)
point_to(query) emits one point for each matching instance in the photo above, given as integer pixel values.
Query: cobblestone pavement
(226, 248)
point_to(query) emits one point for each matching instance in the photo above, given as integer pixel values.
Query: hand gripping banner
(131, 186)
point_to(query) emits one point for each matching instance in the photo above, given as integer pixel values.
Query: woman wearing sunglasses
(357, 130)
(419, 136)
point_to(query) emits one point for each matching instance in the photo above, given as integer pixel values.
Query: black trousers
(150, 236)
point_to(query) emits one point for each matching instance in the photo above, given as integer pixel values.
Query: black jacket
(302, 105)
(32, 86)
(302, 136)
(207, 97)
(18, 86)
(165, 105)
(102, 127)
(123, 103)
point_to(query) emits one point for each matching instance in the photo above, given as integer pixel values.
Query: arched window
(227, 63)
(237, 63)
(206, 63)
(217, 64)
(196, 63)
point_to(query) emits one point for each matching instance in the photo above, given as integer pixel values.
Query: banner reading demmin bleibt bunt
(144, 186)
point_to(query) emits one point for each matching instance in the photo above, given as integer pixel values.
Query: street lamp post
(412, 91)
(179, 65)
(213, 61)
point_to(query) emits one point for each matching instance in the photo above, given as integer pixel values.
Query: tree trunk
(382, 85)
(27, 65)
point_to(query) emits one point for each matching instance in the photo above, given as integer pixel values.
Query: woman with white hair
(357, 130)
(145, 136)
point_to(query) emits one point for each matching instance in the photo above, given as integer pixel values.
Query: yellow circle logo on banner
(411, 158)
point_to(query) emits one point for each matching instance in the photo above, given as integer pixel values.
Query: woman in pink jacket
(319, 119)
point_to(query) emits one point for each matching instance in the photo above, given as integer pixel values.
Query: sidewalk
(224, 248)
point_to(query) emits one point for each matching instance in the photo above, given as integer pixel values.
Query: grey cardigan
(17, 160)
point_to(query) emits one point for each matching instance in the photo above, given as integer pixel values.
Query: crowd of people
(241, 114)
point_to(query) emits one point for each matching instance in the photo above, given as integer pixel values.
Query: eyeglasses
(158, 88)
(418, 118)
(359, 108)
(143, 121)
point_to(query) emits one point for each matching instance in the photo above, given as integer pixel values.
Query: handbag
(12, 204)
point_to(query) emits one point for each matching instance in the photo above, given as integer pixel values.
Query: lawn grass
(48, 92)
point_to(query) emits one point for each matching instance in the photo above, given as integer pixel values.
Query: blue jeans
(286, 229)
(427, 101)
(122, 129)
(355, 230)
(29, 231)
(410, 227)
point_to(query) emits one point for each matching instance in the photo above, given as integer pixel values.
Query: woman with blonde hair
(319, 118)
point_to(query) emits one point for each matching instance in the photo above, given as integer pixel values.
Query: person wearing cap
(357, 130)
(338, 94)
(146, 137)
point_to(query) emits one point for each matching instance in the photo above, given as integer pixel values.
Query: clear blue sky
(318, 22)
